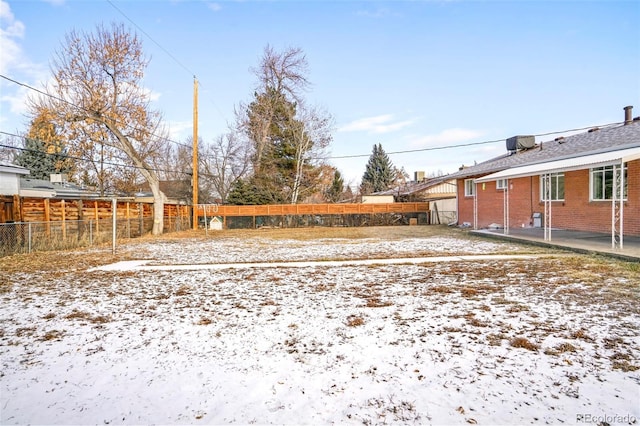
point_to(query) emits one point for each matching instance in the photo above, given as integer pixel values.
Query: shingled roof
(594, 141)
(415, 187)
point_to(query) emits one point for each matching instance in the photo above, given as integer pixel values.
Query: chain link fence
(27, 237)
(346, 220)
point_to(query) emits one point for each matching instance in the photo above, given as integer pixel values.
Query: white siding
(9, 183)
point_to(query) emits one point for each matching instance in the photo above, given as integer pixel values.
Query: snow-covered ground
(489, 341)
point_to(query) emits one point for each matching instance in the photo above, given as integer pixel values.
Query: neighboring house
(40, 188)
(176, 191)
(9, 189)
(10, 178)
(377, 198)
(440, 192)
(567, 183)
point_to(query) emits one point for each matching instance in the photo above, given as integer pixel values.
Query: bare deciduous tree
(287, 136)
(97, 81)
(311, 137)
(280, 75)
(284, 72)
(225, 161)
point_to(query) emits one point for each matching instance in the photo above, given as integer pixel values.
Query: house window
(469, 188)
(502, 183)
(556, 187)
(602, 182)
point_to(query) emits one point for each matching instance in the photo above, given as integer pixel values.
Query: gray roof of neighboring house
(602, 140)
(413, 187)
(62, 190)
(13, 168)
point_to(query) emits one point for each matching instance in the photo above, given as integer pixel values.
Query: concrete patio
(578, 241)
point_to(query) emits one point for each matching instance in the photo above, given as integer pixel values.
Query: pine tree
(287, 135)
(41, 164)
(334, 192)
(379, 174)
(248, 193)
(44, 150)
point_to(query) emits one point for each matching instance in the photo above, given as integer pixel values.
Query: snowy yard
(549, 338)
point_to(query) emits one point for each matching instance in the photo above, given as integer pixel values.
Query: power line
(80, 107)
(332, 157)
(173, 57)
(462, 145)
(27, 86)
(82, 159)
(152, 39)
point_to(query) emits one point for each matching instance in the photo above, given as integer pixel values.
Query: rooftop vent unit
(58, 177)
(517, 143)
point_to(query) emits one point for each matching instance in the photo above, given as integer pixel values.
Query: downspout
(475, 205)
(458, 204)
(531, 200)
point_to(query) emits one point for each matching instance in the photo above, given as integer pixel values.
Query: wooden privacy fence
(33, 209)
(354, 214)
(34, 224)
(30, 223)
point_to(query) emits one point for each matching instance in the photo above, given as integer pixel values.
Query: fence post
(29, 232)
(114, 215)
(63, 208)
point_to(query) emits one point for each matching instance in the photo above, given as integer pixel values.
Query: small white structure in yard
(10, 178)
(215, 224)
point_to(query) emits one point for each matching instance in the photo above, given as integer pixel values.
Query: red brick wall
(577, 212)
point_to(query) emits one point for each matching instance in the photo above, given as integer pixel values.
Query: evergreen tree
(44, 150)
(379, 174)
(41, 163)
(247, 192)
(287, 136)
(334, 192)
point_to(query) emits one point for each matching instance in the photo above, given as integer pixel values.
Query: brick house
(570, 183)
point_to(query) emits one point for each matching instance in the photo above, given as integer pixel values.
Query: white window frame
(554, 187)
(602, 172)
(501, 184)
(469, 188)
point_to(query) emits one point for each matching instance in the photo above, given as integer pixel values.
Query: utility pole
(195, 153)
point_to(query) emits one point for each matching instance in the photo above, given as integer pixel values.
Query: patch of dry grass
(442, 289)
(524, 343)
(581, 334)
(52, 335)
(183, 290)
(561, 348)
(375, 302)
(312, 233)
(204, 321)
(354, 321)
(468, 292)
(517, 307)
(86, 316)
(495, 339)
(625, 366)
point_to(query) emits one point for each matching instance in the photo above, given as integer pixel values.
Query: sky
(429, 80)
